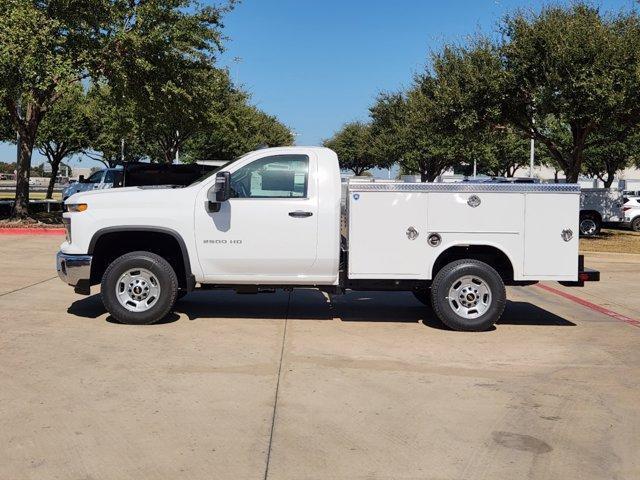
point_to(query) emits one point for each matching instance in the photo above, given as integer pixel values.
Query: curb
(32, 231)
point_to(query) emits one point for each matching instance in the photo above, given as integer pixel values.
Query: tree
(181, 108)
(604, 159)
(64, 131)
(48, 46)
(353, 144)
(403, 129)
(503, 153)
(234, 128)
(571, 66)
(115, 132)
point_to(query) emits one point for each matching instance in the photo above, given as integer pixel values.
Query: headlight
(77, 207)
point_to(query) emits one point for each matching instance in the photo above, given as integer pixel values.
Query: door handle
(300, 214)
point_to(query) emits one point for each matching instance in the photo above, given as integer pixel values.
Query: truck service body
(281, 217)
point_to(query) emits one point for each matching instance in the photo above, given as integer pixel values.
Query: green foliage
(188, 105)
(7, 167)
(603, 159)
(235, 129)
(65, 130)
(502, 153)
(112, 121)
(134, 45)
(403, 131)
(355, 148)
(569, 67)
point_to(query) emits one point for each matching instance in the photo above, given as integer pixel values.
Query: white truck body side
(280, 217)
(524, 221)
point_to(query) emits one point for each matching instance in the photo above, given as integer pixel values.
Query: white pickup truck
(281, 218)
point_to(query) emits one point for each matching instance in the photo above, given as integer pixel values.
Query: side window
(279, 176)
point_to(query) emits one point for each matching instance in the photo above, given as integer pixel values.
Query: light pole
(532, 154)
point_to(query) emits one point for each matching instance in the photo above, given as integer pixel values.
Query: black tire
(446, 279)
(635, 224)
(166, 278)
(423, 295)
(590, 225)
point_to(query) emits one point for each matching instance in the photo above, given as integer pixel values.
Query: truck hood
(122, 193)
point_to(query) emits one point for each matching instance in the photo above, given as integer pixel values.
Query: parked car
(631, 210)
(137, 174)
(106, 178)
(598, 206)
(274, 219)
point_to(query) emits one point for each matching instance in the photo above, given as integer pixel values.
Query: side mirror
(220, 192)
(81, 179)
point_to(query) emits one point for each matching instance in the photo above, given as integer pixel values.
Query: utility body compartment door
(382, 242)
(546, 252)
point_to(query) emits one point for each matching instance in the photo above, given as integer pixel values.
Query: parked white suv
(273, 218)
(631, 210)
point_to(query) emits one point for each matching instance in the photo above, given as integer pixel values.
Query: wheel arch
(485, 252)
(591, 213)
(142, 234)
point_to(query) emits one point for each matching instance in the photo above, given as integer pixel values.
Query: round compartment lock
(567, 234)
(434, 239)
(473, 201)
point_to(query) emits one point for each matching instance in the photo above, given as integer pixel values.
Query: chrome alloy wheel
(137, 290)
(469, 296)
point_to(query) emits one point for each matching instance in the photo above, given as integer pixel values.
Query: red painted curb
(32, 231)
(591, 306)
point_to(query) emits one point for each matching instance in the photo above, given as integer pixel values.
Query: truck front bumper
(75, 270)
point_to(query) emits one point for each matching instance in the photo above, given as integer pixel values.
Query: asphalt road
(292, 386)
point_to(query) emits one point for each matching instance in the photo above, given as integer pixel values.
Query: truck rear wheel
(139, 288)
(468, 295)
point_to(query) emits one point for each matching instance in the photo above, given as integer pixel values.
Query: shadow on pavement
(309, 304)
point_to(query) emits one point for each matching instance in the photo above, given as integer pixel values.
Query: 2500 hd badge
(223, 242)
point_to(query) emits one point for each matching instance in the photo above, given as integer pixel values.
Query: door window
(278, 176)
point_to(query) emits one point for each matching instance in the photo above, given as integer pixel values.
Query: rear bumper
(584, 275)
(75, 270)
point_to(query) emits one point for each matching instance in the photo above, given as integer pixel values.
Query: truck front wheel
(139, 288)
(468, 295)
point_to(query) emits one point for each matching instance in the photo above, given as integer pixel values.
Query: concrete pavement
(292, 386)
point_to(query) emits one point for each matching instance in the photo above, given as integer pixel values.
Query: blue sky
(317, 64)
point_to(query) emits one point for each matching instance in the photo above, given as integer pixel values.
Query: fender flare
(483, 244)
(189, 280)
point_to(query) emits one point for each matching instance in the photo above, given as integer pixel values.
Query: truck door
(268, 231)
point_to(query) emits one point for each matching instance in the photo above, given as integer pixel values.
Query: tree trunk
(23, 171)
(572, 172)
(609, 180)
(55, 167)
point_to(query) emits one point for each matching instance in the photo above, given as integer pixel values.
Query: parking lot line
(28, 286)
(591, 306)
